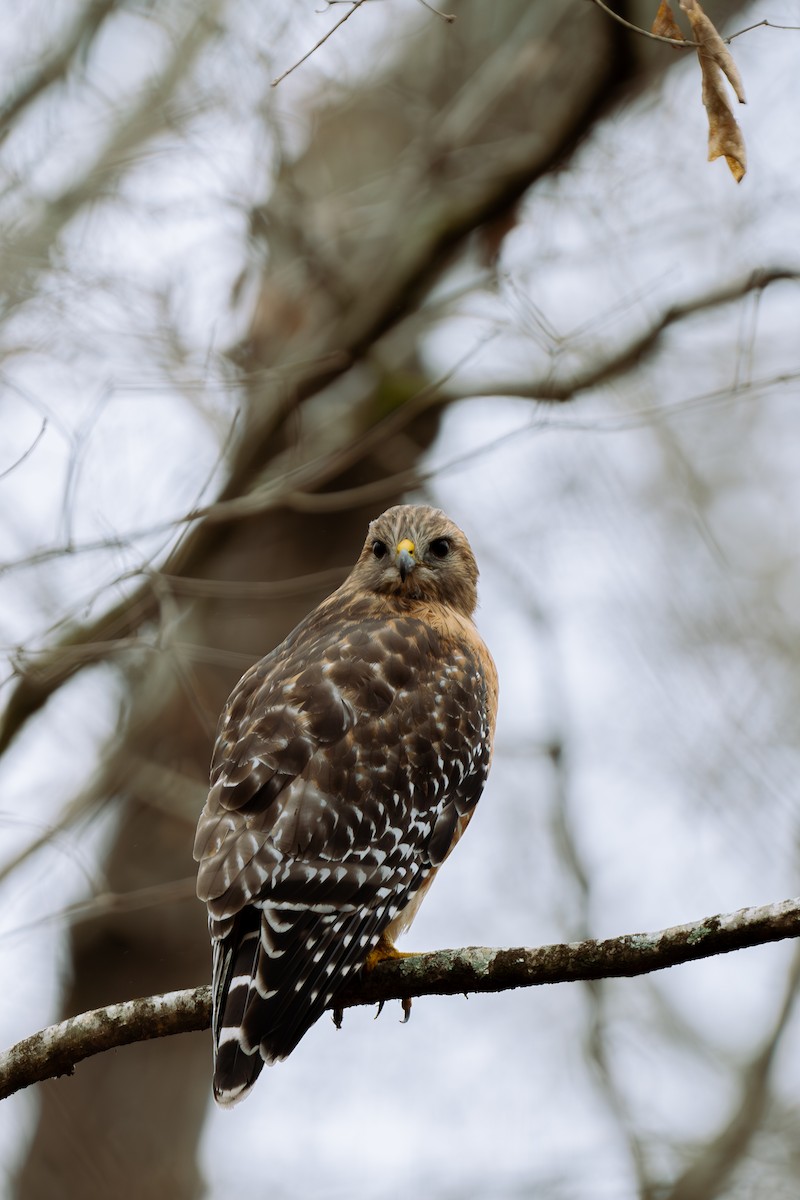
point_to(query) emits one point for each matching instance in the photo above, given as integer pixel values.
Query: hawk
(348, 763)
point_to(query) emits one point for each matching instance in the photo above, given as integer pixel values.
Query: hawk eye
(379, 549)
(440, 547)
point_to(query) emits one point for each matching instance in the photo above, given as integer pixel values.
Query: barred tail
(276, 970)
(237, 1064)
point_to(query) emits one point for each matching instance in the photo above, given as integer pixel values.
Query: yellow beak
(405, 558)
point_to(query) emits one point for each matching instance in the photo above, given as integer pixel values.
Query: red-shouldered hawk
(348, 763)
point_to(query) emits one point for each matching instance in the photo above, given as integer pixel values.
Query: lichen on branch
(59, 1048)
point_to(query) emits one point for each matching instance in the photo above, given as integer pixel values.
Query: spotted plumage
(347, 765)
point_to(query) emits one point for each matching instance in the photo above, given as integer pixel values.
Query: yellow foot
(384, 950)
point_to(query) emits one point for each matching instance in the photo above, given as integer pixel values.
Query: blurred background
(483, 264)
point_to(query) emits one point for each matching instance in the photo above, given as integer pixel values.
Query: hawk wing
(346, 763)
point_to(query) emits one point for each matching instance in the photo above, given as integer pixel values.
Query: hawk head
(416, 553)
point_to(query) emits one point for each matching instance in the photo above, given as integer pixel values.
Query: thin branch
(156, 895)
(439, 227)
(684, 43)
(655, 37)
(618, 364)
(354, 5)
(448, 17)
(240, 499)
(246, 590)
(56, 1050)
(26, 453)
(761, 25)
(144, 122)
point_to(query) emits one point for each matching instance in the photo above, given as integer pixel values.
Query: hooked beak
(405, 558)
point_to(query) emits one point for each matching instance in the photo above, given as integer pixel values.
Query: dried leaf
(724, 135)
(665, 24)
(712, 45)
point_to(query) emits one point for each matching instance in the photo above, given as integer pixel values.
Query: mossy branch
(56, 1050)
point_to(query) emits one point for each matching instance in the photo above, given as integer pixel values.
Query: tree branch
(418, 240)
(56, 1050)
(627, 358)
(87, 643)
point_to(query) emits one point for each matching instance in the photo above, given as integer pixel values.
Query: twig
(60, 662)
(26, 453)
(448, 17)
(56, 1050)
(620, 362)
(759, 25)
(685, 43)
(141, 124)
(656, 37)
(354, 5)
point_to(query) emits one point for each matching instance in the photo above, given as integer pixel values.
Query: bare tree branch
(683, 43)
(765, 24)
(630, 356)
(436, 222)
(648, 33)
(354, 4)
(56, 1050)
(26, 453)
(144, 121)
(88, 643)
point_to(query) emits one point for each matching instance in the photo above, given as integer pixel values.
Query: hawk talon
(406, 1005)
(337, 1015)
(380, 1009)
